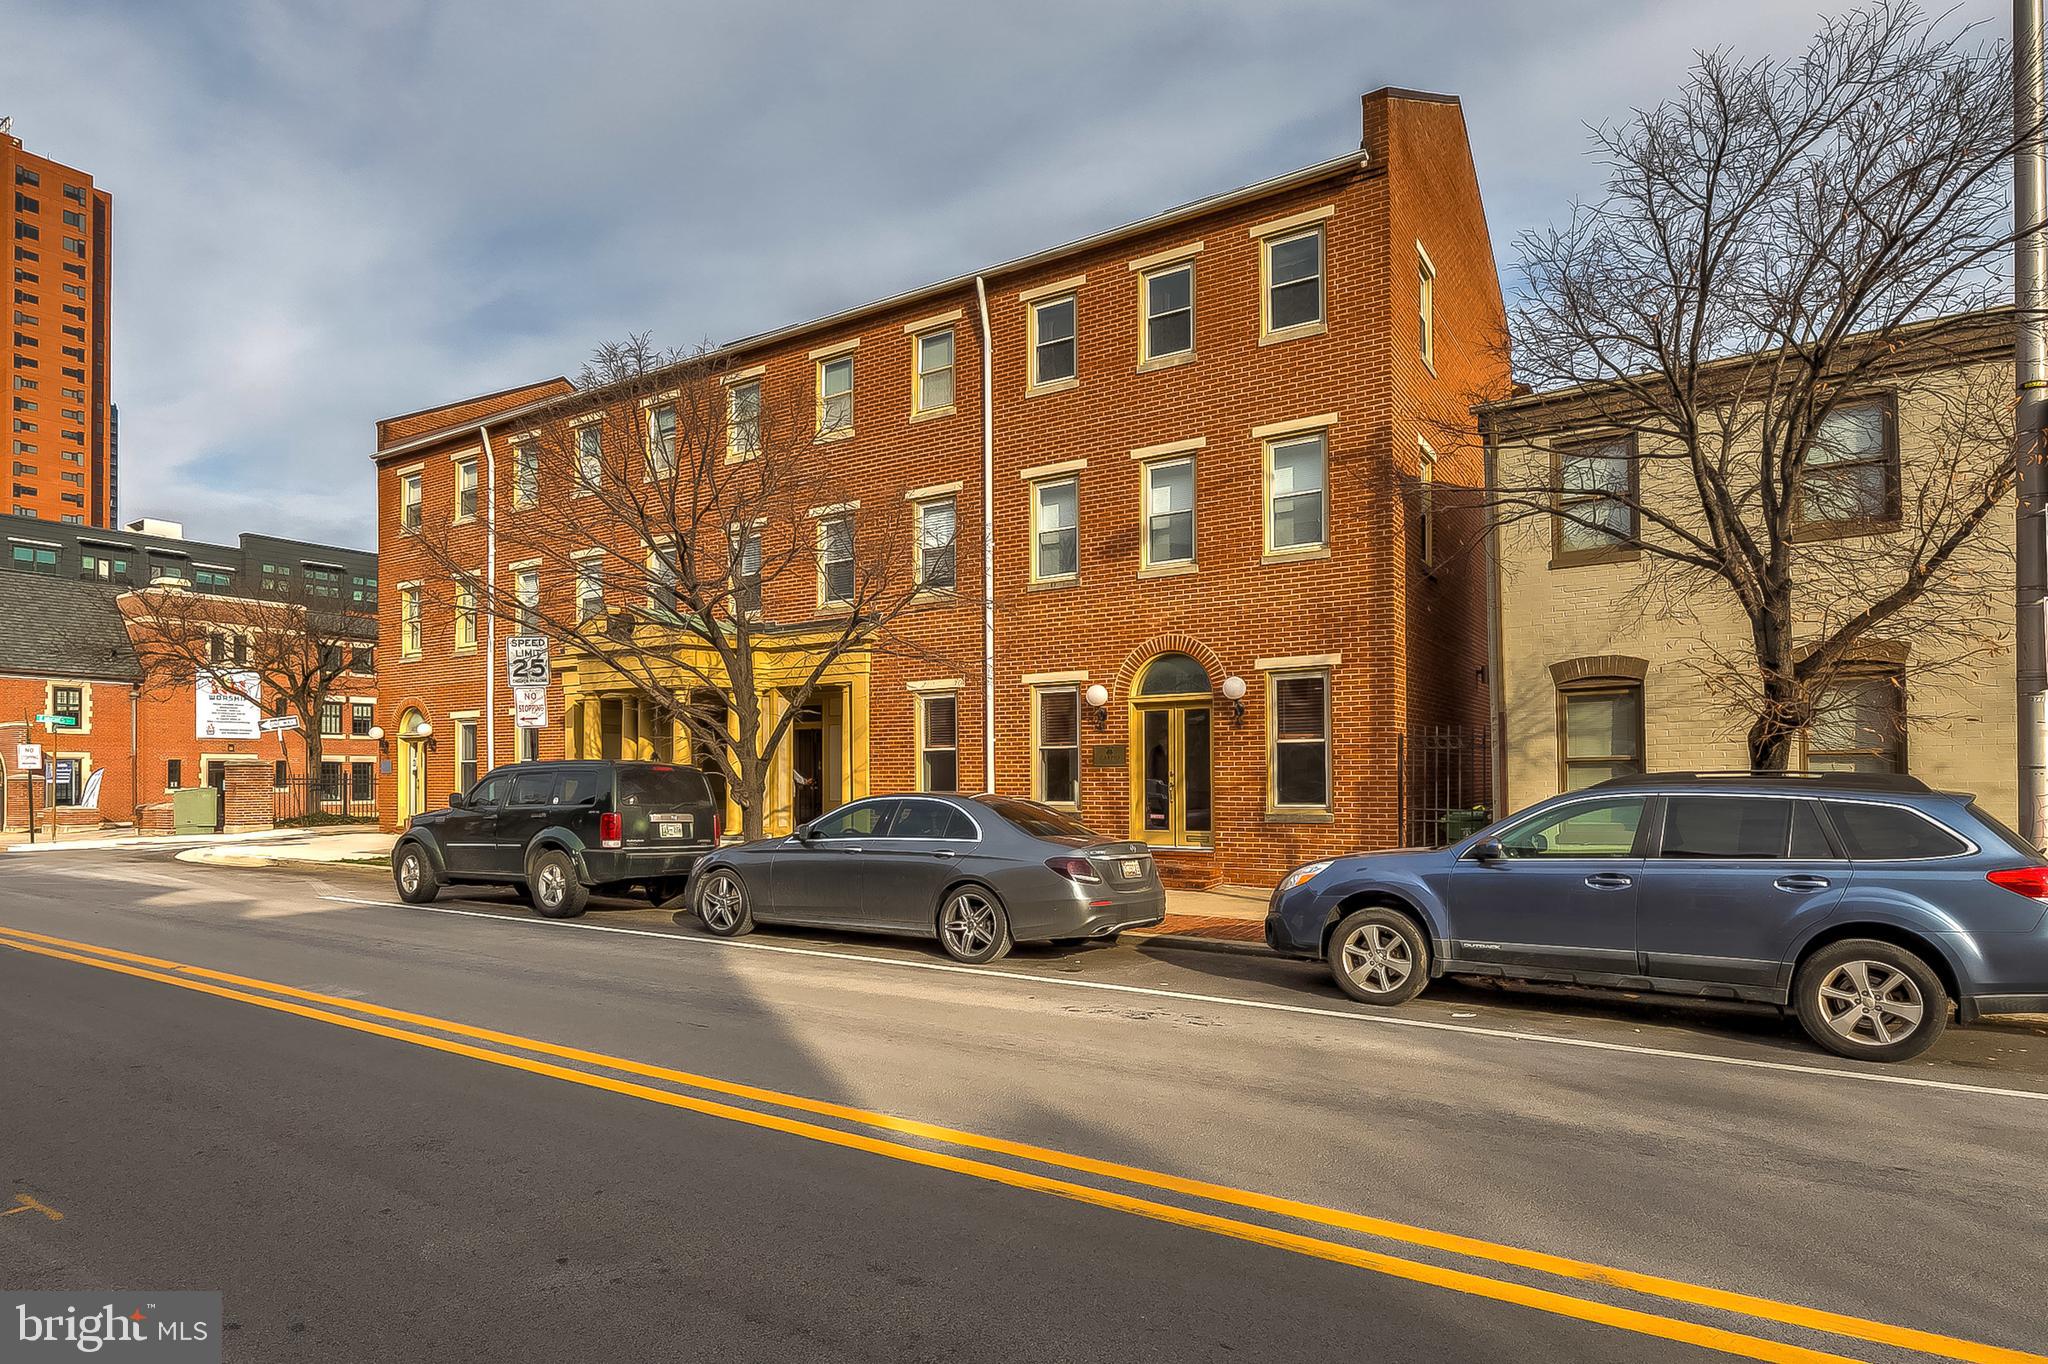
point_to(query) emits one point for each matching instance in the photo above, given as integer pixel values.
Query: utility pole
(2030, 356)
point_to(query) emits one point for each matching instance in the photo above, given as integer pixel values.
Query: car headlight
(1301, 876)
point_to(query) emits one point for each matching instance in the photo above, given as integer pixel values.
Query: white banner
(222, 713)
(530, 707)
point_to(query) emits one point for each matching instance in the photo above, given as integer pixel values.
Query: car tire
(418, 882)
(973, 926)
(1378, 956)
(1870, 1000)
(552, 883)
(723, 905)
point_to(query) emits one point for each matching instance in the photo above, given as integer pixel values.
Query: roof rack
(1853, 781)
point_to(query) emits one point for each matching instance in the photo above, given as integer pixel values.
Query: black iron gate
(1445, 783)
(343, 792)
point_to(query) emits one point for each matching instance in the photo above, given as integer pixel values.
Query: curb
(1191, 942)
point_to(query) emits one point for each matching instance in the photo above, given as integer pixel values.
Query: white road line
(1273, 1006)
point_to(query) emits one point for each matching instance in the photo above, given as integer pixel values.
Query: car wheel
(722, 904)
(1870, 1000)
(414, 872)
(973, 926)
(1379, 956)
(557, 894)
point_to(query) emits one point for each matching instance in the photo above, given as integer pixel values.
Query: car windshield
(661, 786)
(1040, 821)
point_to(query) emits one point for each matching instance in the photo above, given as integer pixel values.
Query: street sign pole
(2030, 375)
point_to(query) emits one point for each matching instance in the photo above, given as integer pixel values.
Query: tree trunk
(1783, 711)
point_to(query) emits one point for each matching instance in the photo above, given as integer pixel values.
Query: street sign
(526, 660)
(530, 707)
(58, 721)
(28, 757)
(278, 722)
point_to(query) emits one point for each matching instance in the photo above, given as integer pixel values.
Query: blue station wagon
(1868, 903)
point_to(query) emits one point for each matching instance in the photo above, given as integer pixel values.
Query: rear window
(1997, 826)
(1876, 833)
(661, 787)
(533, 788)
(1726, 826)
(929, 819)
(1040, 821)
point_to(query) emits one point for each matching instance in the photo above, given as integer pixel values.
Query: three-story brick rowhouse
(1212, 451)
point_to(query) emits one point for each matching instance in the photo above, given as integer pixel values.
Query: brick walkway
(1232, 929)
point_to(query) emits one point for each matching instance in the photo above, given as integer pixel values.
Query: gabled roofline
(1349, 162)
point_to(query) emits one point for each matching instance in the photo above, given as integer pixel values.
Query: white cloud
(331, 212)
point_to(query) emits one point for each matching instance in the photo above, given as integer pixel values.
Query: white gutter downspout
(491, 616)
(988, 546)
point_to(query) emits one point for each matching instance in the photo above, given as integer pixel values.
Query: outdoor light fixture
(1097, 697)
(376, 735)
(1233, 692)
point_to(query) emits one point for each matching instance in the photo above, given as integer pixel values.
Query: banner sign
(222, 713)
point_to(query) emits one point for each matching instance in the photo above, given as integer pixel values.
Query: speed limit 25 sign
(526, 660)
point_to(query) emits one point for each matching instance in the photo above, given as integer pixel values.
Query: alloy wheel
(409, 873)
(552, 885)
(1378, 958)
(1871, 1003)
(969, 923)
(722, 901)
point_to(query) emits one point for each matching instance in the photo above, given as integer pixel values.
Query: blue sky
(327, 211)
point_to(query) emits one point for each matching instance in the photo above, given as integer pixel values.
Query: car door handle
(1801, 883)
(941, 852)
(1609, 880)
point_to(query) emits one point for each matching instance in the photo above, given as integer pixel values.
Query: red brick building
(69, 647)
(60, 415)
(1218, 444)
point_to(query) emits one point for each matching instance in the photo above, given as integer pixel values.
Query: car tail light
(611, 830)
(717, 828)
(2031, 882)
(1077, 869)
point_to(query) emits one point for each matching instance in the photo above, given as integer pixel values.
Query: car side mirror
(457, 801)
(805, 833)
(1489, 850)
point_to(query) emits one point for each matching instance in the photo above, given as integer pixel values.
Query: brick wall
(1411, 642)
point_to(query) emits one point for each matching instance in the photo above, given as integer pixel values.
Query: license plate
(1132, 868)
(671, 830)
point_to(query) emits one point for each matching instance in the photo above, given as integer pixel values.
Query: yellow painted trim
(1148, 468)
(1172, 447)
(1270, 552)
(925, 324)
(740, 376)
(1053, 679)
(1039, 471)
(1299, 426)
(1278, 234)
(1273, 678)
(1172, 255)
(836, 348)
(1274, 226)
(1057, 287)
(1297, 662)
(935, 490)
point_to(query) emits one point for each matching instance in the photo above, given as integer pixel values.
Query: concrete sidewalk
(281, 846)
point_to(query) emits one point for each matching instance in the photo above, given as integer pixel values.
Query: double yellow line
(300, 1003)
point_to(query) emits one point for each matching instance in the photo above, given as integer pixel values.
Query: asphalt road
(392, 1134)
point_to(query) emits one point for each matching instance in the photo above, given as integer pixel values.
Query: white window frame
(411, 491)
(920, 376)
(1150, 469)
(1039, 748)
(1039, 488)
(1037, 383)
(466, 473)
(1147, 357)
(1273, 742)
(1314, 326)
(826, 601)
(1425, 307)
(824, 365)
(1272, 444)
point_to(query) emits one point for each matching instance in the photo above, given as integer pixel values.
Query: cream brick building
(1600, 668)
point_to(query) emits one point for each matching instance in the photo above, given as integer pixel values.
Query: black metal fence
(1445, 783)
(345, 791)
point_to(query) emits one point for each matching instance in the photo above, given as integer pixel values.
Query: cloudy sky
(327, 211)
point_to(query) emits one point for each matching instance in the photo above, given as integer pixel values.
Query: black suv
(560, 830)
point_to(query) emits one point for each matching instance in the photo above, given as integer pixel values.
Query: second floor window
(1594, 482)
(1169, 512)
(1052, 341)
(1056, 532)
(743, 419)
(465, 489)
(1296, 478)
(661, 441)
(525, 474)
(1851, 477)
(330, 719)
(1425, 306)
(662, 575)
(465, 614)
(409, 502)
(1169, 312)
(589, 588)
(362, 719)
(835, 396)
(934, 384)
(937, 533)
(589, 457)
(835, 561)
(68, 703)
(409, 621)
(526, 593)
(747, 574)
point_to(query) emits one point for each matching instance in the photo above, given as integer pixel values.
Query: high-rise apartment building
(60, 444)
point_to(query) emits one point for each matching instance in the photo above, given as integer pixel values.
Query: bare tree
(1774, 245)
(290, 651)
(700, 532)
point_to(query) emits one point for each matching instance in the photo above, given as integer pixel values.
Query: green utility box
(195, 810)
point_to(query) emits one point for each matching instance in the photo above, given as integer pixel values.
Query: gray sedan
(977, 873)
